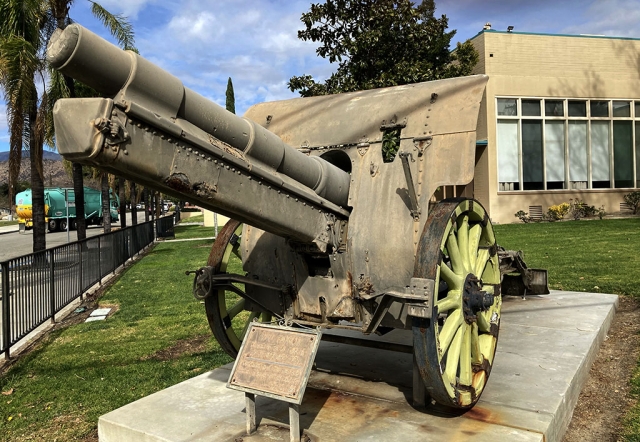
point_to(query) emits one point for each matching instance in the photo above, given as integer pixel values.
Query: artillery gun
(332, 201)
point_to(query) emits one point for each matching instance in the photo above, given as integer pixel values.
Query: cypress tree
(231, 100)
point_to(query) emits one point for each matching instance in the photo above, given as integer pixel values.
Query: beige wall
(529, 65)
(209, 221)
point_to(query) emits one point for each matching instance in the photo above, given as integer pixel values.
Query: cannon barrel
(143, 96)
(83, 55)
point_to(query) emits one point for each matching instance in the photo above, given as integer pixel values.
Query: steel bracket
(415, 207)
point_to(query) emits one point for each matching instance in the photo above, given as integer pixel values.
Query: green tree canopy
(379, 43)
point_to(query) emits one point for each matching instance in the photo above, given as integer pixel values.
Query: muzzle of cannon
(335, 221)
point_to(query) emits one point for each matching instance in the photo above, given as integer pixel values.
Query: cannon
(334, 217)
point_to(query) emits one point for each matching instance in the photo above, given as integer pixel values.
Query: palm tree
(25, 27)
(62, 86)
(23, 33)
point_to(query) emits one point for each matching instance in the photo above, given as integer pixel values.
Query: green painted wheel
(455, 349)
(225, 308)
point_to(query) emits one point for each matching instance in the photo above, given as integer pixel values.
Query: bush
(522, 216)
(579, 209)
(633, 201)
(558, 211)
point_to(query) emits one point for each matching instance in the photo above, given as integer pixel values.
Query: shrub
(601, 212)
(580, 209)
(633, 201)
(558, 211)
(522, 216)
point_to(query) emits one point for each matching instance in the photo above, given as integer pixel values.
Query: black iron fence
(35, 287)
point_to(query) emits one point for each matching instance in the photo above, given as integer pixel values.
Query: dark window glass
(637, 109)
(507, 106)
(621, 108)
(532, 155)
(553, 108)
(599, 108)
(577, 108)
(622, 154)
(531, 108)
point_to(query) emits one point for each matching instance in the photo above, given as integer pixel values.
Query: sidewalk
(8, 229)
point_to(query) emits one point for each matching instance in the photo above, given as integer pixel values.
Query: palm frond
(117, 24)
(23, 19)
(16, 124)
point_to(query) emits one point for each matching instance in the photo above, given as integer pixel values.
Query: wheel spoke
(453, 281)
(483, 323)
(474, 241)
(453, 354)
(481, 263)
(463, 242)
(252, 316)
(476, 354)
(237, 308)
(465, 356)
(451, 326)
(454, 253)
(450, 302)
(487, 347)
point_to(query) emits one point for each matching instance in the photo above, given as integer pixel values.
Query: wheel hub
(474, 299)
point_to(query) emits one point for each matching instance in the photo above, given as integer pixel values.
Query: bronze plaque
(275, 361)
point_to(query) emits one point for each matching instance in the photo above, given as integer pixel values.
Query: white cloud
(614, 18)
(203, 26)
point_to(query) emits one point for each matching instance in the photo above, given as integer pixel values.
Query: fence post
(99, 262)
(52, 286)
(6, 318)
(80, 243)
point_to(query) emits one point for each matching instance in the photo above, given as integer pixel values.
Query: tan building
(560, 120)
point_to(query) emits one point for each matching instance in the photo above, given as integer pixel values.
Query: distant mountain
(47, 155)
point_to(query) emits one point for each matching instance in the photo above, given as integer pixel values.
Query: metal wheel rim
(219, 313)
(454, 353)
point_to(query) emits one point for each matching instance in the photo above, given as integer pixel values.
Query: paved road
(18, 244)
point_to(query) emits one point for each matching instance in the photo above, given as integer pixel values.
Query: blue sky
(203, 42)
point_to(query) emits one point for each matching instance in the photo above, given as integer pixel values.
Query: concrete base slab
(546, 347)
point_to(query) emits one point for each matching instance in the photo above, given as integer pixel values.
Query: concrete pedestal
(545, 349)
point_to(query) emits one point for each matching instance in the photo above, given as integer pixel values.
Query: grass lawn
(8, 223)
(159, 336)
(194, 219)
(595, 256)
(188, 232)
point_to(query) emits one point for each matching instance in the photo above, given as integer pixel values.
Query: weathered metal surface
(332, 232)
(275, 362)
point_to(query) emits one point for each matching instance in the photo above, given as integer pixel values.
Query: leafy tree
(379, 43)
(231, 99)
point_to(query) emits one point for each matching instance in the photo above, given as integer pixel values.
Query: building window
(556, 144)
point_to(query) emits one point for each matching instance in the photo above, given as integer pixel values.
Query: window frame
(634, 117)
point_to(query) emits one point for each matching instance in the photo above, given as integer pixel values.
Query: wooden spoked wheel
(455, 349)
(225, 308)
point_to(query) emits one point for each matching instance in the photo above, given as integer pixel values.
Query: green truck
(56, 209)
